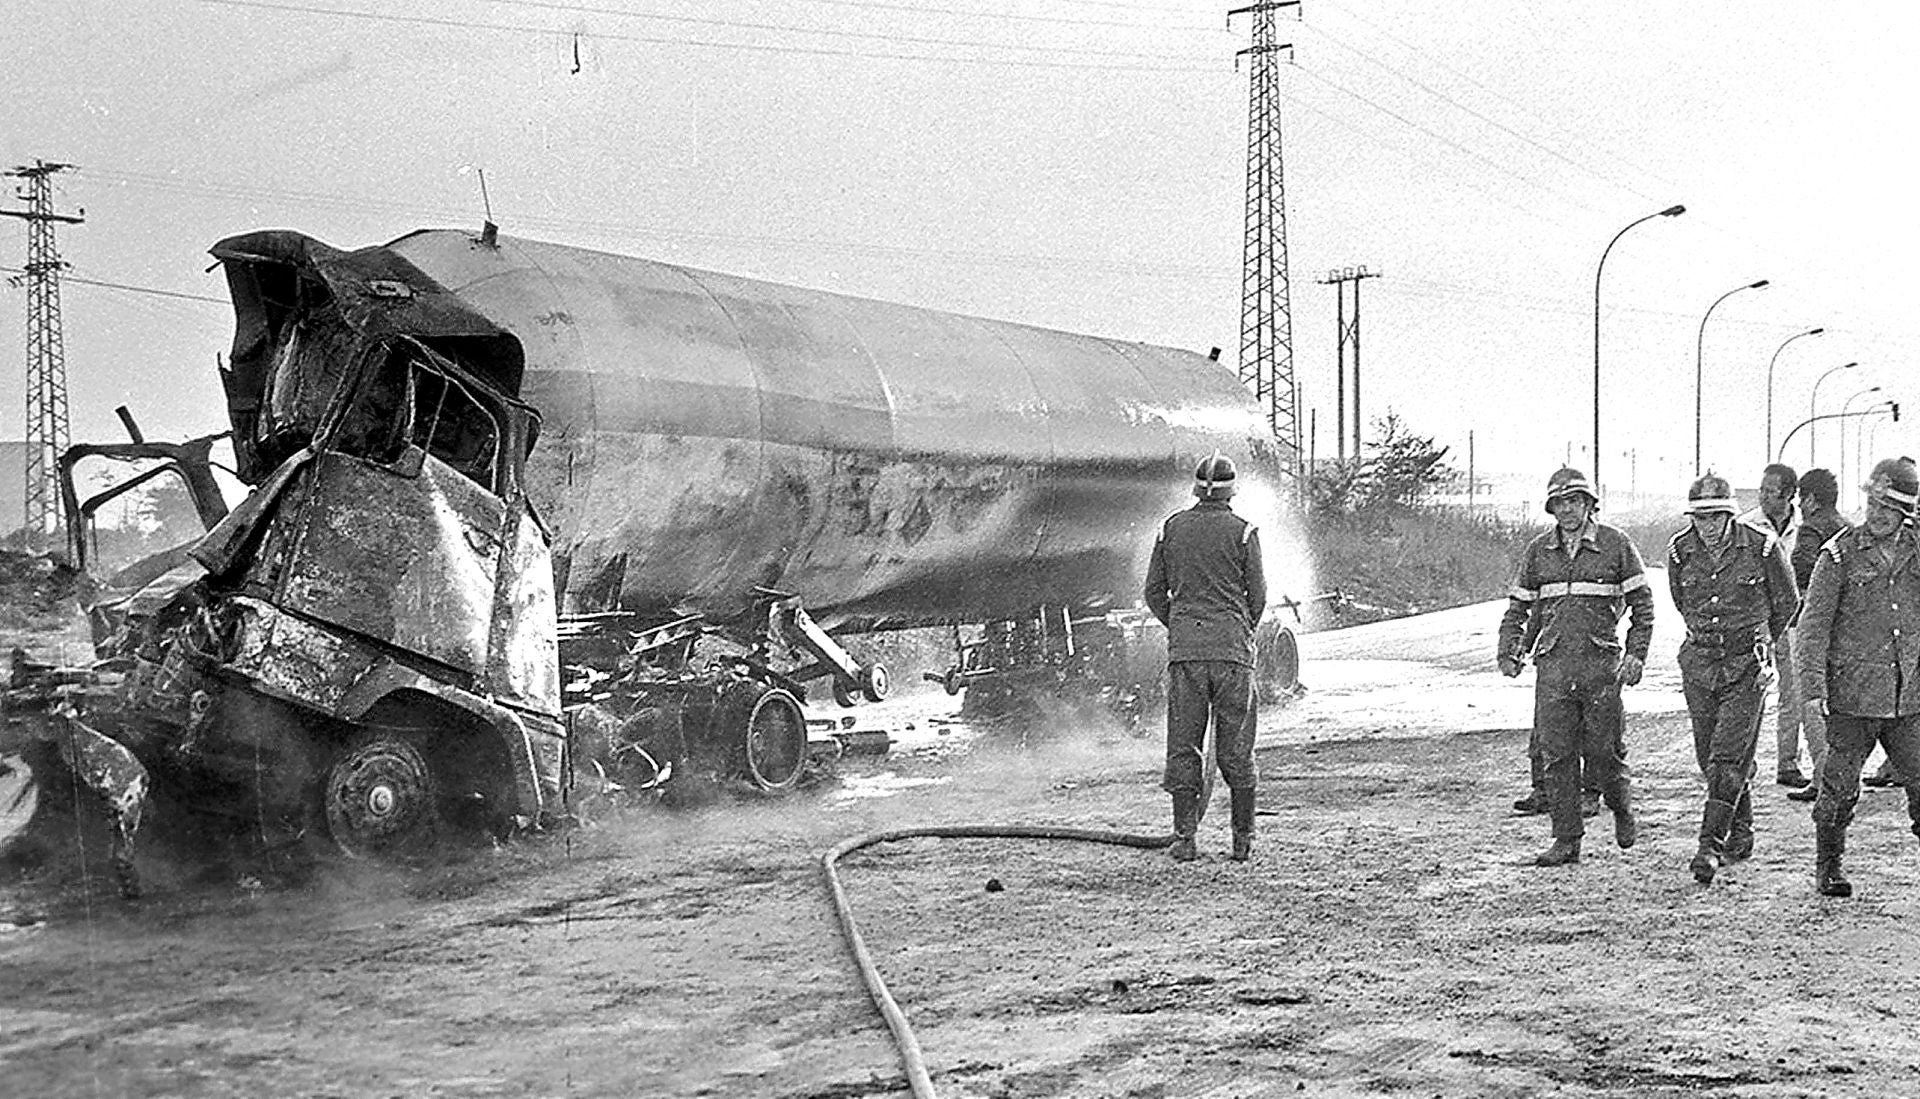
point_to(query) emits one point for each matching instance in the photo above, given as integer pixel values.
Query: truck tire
(1276, 662)
(381, 798)
(768, 731)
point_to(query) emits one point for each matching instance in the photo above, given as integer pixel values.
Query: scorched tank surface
(704, 435)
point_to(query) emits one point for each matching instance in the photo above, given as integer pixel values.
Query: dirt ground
(1387, 938)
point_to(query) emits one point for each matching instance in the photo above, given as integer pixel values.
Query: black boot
(1243, 805)
(1535, 802)
(1740, 833)
(1626, 829)
(1829, 843)
(1714, 822)
(1186, 821)
(1565, 849)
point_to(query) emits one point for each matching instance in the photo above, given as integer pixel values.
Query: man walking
(1206, 584)
(1779, 517)
(1575, 582)
(1860, 662)
(1734, 588)
(1819, 521)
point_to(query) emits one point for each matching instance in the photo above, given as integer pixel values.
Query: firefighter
(1860, 665)
(1207, 586)
(1734, 587)
(1575, 582)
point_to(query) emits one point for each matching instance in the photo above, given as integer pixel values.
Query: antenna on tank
(489, 232)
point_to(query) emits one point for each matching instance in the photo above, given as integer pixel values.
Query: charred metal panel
(410, 561)
(523, 663)
(891, 463)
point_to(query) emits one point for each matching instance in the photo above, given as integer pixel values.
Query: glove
(1509, 666)
(1630, 669)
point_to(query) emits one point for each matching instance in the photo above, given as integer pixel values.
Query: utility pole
(1349, 336)
(46, 349)
(1266, 309)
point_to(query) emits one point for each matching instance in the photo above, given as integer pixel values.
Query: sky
(1077, 164)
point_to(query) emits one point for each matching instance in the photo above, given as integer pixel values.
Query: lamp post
(1770, 362)
(1671, 211)
(1813, 412)
(1699, 349)
(1846, 411)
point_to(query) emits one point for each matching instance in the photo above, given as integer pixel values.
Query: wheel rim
(776, 741)
(380, 799)
(874, 682)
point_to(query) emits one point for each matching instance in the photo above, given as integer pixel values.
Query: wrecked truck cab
(364, 647)
(386, 593)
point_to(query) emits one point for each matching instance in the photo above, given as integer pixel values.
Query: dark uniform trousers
(1726, 729)
(1197, 689)
(1577, 718)
(1850, 741)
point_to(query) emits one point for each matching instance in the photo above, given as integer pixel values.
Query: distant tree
(1400, 467)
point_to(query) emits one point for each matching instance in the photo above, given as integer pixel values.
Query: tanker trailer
(736, 450)
(450, 435)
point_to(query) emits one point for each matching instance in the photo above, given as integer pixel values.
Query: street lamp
(1813, 412)
(1671, 211)
(1699, 348)
(1770, 362)
(1846, 411)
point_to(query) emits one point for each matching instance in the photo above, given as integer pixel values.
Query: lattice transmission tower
(1266, 309)
(46, 350)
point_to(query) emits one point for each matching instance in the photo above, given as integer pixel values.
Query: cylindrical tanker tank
(704, 435)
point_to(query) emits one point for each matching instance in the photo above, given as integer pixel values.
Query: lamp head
(1761, 285)
(1673, 211)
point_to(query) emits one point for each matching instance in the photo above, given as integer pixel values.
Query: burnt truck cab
(364, 648)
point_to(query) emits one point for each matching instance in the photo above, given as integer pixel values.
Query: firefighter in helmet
(1575, 582)
(1860, 665)
(1734, 587)
(1207, 586)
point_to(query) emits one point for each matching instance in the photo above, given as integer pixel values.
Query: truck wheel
(874, 682)
(381, 799)
(771, 733)
(843, 693)
(1276, 662)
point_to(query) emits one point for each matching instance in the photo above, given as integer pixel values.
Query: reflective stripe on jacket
(1571, 606)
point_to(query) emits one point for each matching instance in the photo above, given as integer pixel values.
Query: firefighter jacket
(1817, 527)
(1734, 605)
(1860, 625)
(1206, 584)
(1566, 605)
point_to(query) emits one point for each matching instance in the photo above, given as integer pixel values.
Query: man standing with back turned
(1207, 586)
(1575, 582)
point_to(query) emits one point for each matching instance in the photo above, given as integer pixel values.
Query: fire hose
(909, 1046)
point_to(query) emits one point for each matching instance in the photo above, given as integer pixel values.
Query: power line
(1447, 141)
(155, 291)
(759, 47)
(916, 9)
(1495, 123)
(829, 32)
(431, 213)
(1495, 93)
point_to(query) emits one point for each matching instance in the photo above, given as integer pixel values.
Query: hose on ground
(909, 1046)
